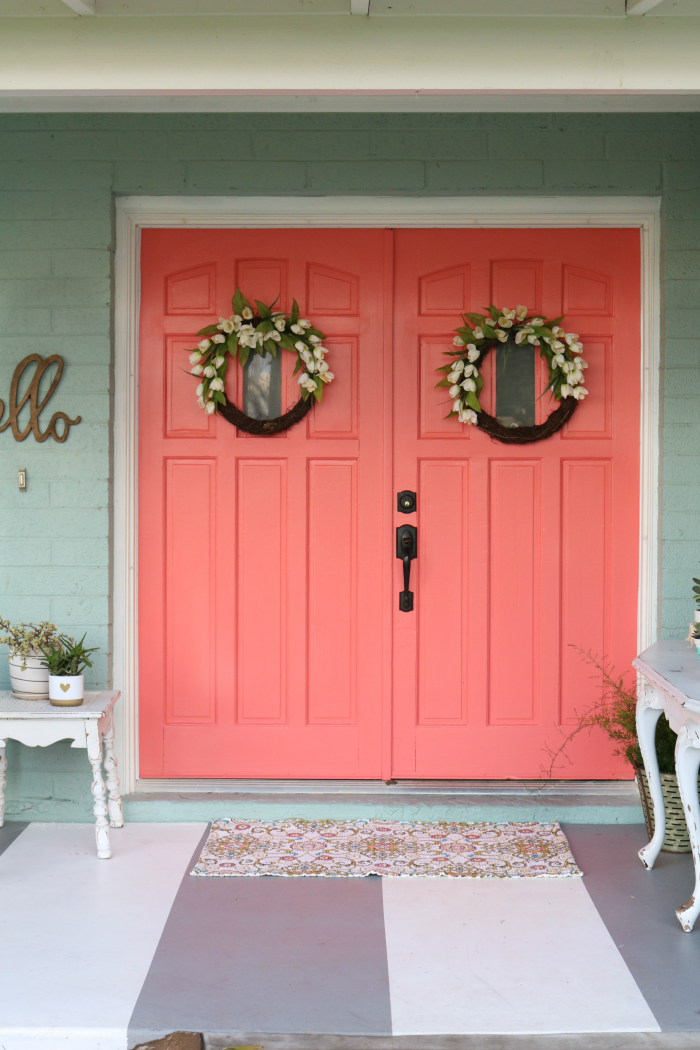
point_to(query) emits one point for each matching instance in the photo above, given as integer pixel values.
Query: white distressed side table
(36, 723)
(671, 683)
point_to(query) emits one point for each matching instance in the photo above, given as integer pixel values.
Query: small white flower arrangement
(483, 332)
(246, 332)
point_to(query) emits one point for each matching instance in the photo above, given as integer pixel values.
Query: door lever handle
(406, 551)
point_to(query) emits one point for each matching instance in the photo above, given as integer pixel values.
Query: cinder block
(19, 551)
(682, 204)
(26, 175)
(78, 552)
(682, 382)
(641, 176)
(79, 204)
(81, 262)
(145, 176)
(76, 320)
(681, 265)
(72, 146)
(681, 439)
(45, 522)
(58, 233)
(681, 235)
(669, 144)
(682, 353)
(223, 144)
(17, 265)
(311, 145)
(680, 469)
(246, 176)
(681, 175)
(551, 144)
(366, 176)
(80, 610)
(486, 175)
(79, 494)
(60, 292)
(25, 205)
(680, 410)
(24, 322)
(399, 145)
(54, 580)
(681, 525)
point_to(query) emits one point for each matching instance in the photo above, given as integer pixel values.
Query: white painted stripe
(78, 934)
(504, 955)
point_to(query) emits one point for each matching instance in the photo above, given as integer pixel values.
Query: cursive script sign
(31, 395)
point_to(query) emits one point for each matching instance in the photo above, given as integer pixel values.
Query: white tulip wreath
(485, 331)
(261, 333)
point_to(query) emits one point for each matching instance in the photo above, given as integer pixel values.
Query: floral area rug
(385, 847)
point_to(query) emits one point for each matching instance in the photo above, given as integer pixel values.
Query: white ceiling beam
(359, 7)
(81, 7)
(634, 7)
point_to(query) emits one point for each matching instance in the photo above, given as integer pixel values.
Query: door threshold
(422, 788)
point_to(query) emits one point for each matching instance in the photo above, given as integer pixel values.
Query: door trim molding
(135, 213)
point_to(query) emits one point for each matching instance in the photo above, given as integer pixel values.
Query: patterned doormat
(357, 848)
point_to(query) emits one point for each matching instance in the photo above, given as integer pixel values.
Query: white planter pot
(32, 683)
(66, 690)
(696, 614)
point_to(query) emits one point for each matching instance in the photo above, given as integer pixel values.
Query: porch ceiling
(386, 8)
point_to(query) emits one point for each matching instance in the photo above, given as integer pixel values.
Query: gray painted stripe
(10, 831)
(638, 908)
(269, 955)
(474, 1041)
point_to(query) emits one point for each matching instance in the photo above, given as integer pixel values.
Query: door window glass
(515, 385)
(262, 386)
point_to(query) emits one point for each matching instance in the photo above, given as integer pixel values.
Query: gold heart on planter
(64, 686)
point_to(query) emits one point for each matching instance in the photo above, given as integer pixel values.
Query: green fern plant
(615, 712)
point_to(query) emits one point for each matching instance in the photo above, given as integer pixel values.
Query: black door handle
(406, 551)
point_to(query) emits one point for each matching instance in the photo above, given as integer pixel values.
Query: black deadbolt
(406, 502)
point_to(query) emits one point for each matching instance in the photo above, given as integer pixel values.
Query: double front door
(271, 641)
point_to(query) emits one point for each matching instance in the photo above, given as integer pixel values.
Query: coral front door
(261, 611)
(524, 551)
(268, 577)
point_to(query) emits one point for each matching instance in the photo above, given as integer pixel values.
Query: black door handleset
(406, 546)
(406, 550)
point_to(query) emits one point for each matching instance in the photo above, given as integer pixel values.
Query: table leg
(99, 793)
(647, 717)
(687, 766)
(116, 814)
(3, 770)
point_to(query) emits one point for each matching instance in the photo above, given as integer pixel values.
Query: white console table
(671, 683)
(36, 723)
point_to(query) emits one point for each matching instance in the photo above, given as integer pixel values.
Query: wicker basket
(676, 838)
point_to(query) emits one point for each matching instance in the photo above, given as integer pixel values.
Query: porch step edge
(165, 806)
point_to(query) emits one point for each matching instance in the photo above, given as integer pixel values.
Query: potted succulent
(615, 712)
(29, 678)
(66, 660)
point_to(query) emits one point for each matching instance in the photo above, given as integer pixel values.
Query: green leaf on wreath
(473, 401)
(263, 311)
(218, 396)
(495, 312)
(243, 354)
(318, 391)
(294, 316)
(299, 365)
(476, 319)
(211, 329)
(443, 382)
(239, 302)
(232, 344)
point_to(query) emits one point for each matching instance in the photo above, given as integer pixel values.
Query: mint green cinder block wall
(59, 174)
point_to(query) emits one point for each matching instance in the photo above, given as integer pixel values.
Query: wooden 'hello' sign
(31, 395)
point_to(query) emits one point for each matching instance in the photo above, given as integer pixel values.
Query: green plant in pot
(29, 679)
(66, 660)
(615, 712)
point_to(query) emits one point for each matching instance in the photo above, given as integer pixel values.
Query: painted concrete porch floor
(101, 955)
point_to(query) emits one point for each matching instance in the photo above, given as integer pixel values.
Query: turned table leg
(3, 770)
(648, 712)
(687, 766)
(116, 814)
(99, 792)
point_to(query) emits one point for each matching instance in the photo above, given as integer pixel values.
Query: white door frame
(135, 213)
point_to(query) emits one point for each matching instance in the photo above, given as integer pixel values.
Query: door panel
(261, 610)
(536, 550)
